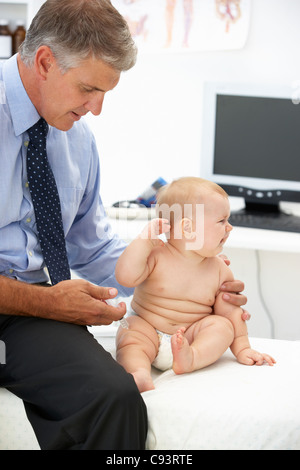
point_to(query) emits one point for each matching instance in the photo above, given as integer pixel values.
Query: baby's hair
(183, 191)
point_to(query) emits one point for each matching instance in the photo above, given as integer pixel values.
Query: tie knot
(39, 130)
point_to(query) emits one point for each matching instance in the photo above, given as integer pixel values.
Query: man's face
(65, 98)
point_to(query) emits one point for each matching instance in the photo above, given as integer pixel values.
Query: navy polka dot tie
(46, 204)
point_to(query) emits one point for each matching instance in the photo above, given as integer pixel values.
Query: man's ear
(44, 61)
(187, 228)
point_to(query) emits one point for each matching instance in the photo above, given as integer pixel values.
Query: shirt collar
(23, 112)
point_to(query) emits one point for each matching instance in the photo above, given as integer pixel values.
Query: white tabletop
(128, 223)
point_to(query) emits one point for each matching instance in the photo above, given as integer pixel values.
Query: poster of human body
(187, 25)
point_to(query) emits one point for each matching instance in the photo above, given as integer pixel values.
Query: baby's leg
(201, 344)
(137, 348)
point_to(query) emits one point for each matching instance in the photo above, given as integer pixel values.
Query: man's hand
(232, 294)
(80, 302)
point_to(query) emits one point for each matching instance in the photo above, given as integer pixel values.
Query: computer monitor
(251, 143)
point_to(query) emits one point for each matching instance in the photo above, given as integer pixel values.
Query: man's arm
(75, 301)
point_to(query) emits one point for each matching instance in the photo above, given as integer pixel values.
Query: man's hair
(76, 30)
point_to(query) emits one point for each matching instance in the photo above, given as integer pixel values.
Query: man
(76, 396)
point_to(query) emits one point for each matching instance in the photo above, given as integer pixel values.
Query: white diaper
(164, 358)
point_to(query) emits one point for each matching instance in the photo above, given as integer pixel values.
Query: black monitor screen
(257, 137)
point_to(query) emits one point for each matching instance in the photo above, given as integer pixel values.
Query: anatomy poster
(186, 25)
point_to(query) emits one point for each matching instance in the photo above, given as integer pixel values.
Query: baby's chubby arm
(240, 346)
(135, 264)
(232, 313)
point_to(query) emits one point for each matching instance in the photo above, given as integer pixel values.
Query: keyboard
(268, 221)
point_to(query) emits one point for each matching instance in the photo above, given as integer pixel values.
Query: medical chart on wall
(186, 25)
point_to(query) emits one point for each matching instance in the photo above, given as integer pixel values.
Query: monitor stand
(260, 208)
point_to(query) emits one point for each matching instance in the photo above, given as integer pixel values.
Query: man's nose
(94, 105)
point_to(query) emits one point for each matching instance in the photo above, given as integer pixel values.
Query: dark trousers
(75, 395)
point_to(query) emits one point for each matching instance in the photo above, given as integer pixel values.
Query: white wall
(151, 123)
(151, 126)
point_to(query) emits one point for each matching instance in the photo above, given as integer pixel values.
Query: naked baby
(179, 318)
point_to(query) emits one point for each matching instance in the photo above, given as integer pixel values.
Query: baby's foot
(182, 353)
(143, 380)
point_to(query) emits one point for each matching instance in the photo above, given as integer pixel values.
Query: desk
(267, 261)
(128, 223)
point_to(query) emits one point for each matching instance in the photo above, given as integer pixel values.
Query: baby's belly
(168, 315)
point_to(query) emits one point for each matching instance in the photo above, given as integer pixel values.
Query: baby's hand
(155, 228)
(250, 357)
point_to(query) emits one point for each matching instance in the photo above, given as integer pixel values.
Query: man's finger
(102, 293)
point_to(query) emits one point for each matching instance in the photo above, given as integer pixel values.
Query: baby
(180, 319)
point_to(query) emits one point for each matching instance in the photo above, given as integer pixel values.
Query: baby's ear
(187, 228)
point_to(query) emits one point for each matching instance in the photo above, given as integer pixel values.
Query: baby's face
(213, 230)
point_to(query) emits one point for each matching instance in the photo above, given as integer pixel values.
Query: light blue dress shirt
(92, 248)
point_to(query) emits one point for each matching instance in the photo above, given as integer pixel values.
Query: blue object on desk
(148, 197)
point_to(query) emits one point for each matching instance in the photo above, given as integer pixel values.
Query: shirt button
(30, 253)
(28, 220)
(26, 143)
(26, 185)
(11, 271)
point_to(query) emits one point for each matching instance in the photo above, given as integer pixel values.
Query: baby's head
(174, 199)
(189, 204)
